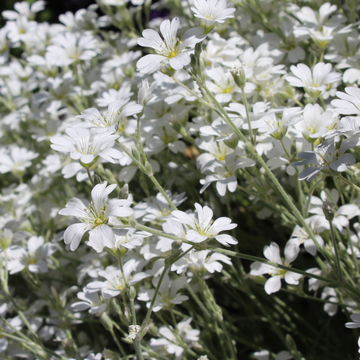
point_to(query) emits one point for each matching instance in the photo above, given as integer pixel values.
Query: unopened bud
(135, 153)
(174, 254)
(132, 293)
(238, 73)
(148, 169)
(194, 64)
(106, 321)
(167, 70)
(329, 210)
(69, 348)
(116, 306)
(198, 50)
(97, 179)
(127, 313)
(6, 238)
(124, 192)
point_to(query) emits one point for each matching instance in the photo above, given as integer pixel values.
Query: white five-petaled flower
(211, 11)
(111, 118)
(272, 253)
(315, 80)
(86, 145)
(95, 218)
(169, 49)
(348, 102)
(325, 158)
(202, 227)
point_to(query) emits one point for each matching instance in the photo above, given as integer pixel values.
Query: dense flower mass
(152, 195)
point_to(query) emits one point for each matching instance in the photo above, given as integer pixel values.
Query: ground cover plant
(180, 180)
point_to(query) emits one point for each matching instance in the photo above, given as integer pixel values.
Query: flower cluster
(151, 180)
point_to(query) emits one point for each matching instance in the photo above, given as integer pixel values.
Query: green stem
(336, 248)
(142, 331)
(349, 182)
(150, 175)
(89, 175)
(247, 114)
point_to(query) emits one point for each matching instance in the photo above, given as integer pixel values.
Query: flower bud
(124, 192)
(329, 210)
(148, 169)
(6, 238)
(69, 347)
(238, 73)
(132, 293)
(127, 313)
(97, 179)
(106, 321)
(135, 153)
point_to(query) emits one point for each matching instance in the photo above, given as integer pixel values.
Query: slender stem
(142, 331)
(247, 114)
(138, 137)
(151, 176)
(336, 248)
(89, 175)
(349, 182)
(123, 353)
(7, 292)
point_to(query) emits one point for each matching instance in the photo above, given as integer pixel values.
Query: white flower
(111, 118)
(349, 102)
(169, 49)
(314, 80)
(70, 48)
(356, 322)
(199, 260)
(211, 11)
(115, 281)
(90, 300)
(167, 295)
(202, 226)
(16, 160)
(33, 258)
(325, 158)
(315, 122)
(172, 341)
(86, 145)
(265, 355)
(95, 218)
(133, 331)
(272, 253)
(145, 92)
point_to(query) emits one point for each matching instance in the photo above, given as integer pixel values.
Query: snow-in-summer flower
(111, 118)
(33, 258)
(169, 49)
(95, 218)
(202, 226)
(348, 102)
(315, 80)
(86, 145)
(210, 12)
(272, 253)
(16, 159)
(325, 158)
(116, 279)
